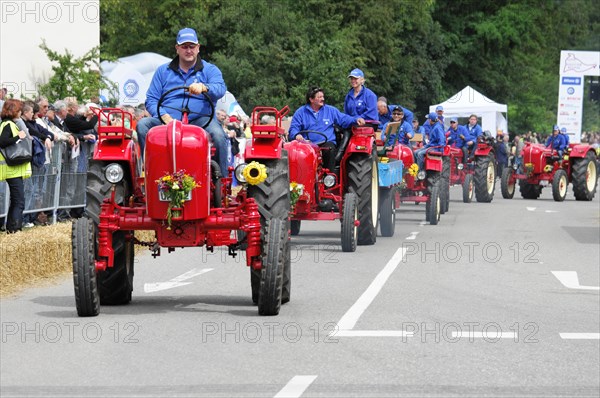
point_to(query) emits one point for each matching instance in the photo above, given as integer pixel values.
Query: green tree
(74, 77)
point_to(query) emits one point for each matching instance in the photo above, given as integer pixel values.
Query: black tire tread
(359, 169)
(87, 299)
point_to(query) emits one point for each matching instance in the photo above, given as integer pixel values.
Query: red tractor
(419, 185)
(543, 166)
(121, 198)
(349, 194)
(478, 175)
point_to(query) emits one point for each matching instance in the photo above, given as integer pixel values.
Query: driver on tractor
(437, 139)
(556, 141)
(317, 120)
(403, 135)
(457, 137)
(186, 69)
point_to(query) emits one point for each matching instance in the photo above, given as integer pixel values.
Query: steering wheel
(304, 134)
(184, 108)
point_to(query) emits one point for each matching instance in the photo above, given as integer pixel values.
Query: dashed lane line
(296, 386)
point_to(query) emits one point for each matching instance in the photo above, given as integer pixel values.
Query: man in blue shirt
(556, 141)
(186, 69)
(385, 112)
(457, 135)
(437, 139)
(360, 101)
(316, 116)
(474, 131)
(403, 134)
(563, 132)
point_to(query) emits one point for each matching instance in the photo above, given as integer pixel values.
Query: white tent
(469, 101)
(133, 75)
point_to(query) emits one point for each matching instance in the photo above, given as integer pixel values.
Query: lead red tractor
(121, 199)
(543, 167)
(349, 194)
(477, 176)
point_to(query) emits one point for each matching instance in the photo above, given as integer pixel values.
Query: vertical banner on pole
(574, 66)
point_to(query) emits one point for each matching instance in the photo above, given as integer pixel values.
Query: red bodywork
(267, 139)
(176, 146)
(541, 163)
(305, 164)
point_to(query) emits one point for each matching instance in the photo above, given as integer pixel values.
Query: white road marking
(485, 335)
(531, 208)
(351, 316)
(551, 211)
(295, 387)
(569, 279)
(580, 336)
(175, 282)
(413, 236)
(372, 333)
(423, 223)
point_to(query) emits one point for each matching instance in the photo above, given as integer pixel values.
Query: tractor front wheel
(468, 188)
(387, 213)
(434, 205)
(271, 273)
(485, 178)
(87, 299)
(559, 185)
(295, 227)
(349, 217)
(529, 191)
(507, 183)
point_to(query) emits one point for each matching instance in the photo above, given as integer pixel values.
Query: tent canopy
(469, 101)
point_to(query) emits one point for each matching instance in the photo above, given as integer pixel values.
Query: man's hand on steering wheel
(197, 88)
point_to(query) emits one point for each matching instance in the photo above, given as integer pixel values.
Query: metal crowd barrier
(59, 184)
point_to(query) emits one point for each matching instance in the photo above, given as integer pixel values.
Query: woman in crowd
(14, 175)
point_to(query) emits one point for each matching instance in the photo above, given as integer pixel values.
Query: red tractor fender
(361, 141)
(579, 150)
(483, 149)
(267, 139)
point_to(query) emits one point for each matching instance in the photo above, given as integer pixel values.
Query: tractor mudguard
(579, 150)
(267, 139)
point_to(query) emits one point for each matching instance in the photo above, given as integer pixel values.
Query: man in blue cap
(556, 141)
(437, 138)
(565, 136)
(457, 136)
(360, 101)
(440, 113)
(385, 112)
(316, 116)
(186, 69)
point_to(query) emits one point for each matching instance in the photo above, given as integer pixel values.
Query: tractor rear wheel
(363, 180)
(273, 199)
(507, 184)
(485, 178)
(387, 213)
(529, 191)
(349, 217)
(295, 227)
(585, 177)
(559, 185)
(87, 299)
(445, 192)
(115, 285)
(468, 188)
(271, 273)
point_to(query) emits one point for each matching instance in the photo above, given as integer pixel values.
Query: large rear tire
(115, 285)
(87, 299)
(363, 180)
(468, 188)
(349, 216)
(387, 213)
(585, 177)
(271, 279)
(560, 183)
(507, 184)
(273, 199)
(485, 178)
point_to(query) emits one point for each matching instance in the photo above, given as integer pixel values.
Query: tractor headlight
(329, 180)
(461, 166)
(421, 175)
(114, 173)
(239, 172)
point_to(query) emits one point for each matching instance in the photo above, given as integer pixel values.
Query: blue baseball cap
(453, 120)
(187, 35)
(356, 73)
(555, 128)
(439, 108)
(563, 130)
(432, 116)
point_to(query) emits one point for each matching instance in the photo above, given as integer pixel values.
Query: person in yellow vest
(14, 175)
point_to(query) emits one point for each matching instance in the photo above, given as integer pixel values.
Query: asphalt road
(499, 299)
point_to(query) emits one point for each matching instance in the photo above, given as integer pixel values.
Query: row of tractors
(178, 191)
